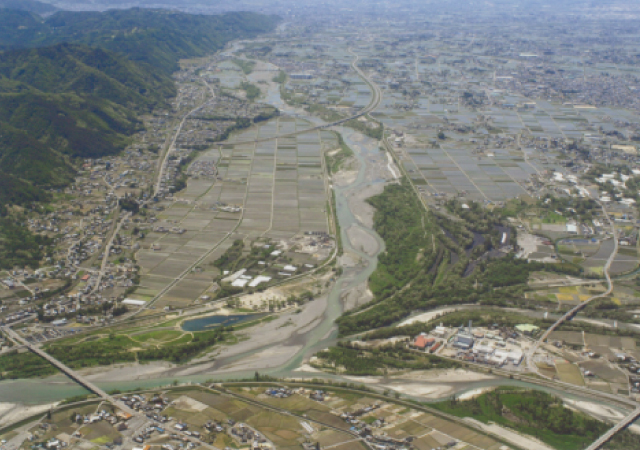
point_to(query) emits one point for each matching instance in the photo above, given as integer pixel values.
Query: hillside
(63, 102)
(29, 5)
(82, 70)
(155, 37)
(72, 86)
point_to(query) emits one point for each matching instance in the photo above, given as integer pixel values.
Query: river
(58, 387)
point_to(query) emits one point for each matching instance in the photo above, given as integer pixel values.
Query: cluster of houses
(279, 392)
(352, 418)
(139, 403)
(247, 435)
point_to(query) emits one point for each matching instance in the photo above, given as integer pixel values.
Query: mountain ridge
(72, 86)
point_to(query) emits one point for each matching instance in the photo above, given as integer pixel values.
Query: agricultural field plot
(443, 432)
(399, 421)
(571, 295)
(567, 295)
(604, 372)
(574, 338)
(622, 263)
(569, 373)
(621, 343)
(457, 170)
(273, 189)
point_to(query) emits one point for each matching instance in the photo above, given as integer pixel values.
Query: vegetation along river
(324, 334)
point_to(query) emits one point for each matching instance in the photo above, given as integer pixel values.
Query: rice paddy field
(597, 371)
(273, 190)
(454, 169)
(399, 422)
(309, 420)
(568, 295)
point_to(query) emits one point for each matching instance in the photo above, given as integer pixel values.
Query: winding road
(635, 414)
(571, 314)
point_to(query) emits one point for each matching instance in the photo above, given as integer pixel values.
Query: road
(172, 145)
(68, 371)
(568, 316)
(375, 90)
(619, 427)
(575, 310)
(107, 251)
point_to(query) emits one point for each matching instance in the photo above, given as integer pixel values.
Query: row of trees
(348, 358)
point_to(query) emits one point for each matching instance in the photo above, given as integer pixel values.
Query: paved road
(619, 427)
(571, 314)
(107, 251)
(636, 413)
(68, 371)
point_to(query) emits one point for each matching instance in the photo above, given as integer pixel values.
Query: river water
(323, 335)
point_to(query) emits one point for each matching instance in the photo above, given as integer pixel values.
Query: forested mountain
(155, 37)
(67, 68)
(29, 5)
(72, 86)
(64, 102)
(72, 100)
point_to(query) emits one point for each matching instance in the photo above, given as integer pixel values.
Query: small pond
(205, 323)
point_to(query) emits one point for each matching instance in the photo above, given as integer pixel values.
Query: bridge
(619, 427)
(68, 371)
